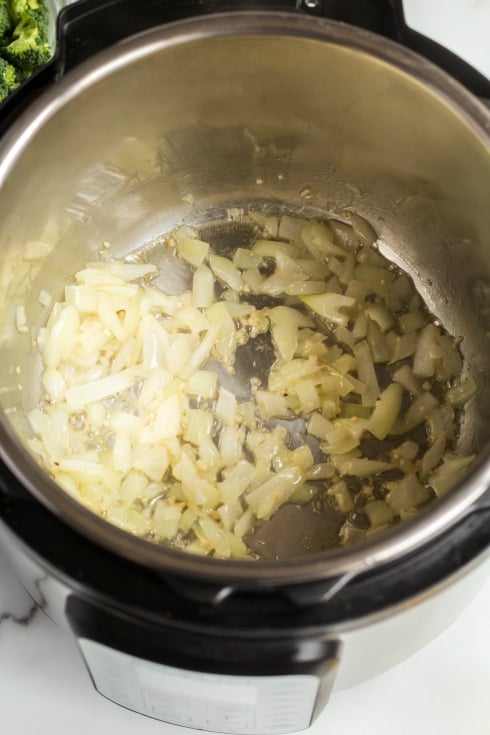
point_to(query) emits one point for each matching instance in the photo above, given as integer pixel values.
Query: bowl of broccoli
(27, 40)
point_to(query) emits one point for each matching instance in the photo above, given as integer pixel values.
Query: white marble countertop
(442, 690)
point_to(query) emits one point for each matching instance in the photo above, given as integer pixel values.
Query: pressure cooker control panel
(220, 703)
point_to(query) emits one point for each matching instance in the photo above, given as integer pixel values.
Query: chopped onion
(204, 384)
(329, 306)
(359, 467)
(318, 239)
(226, 272)
(192, 250)
(135, 424)
(290, 228)
(342, 496)
(433, 456)
(386, 411)
(426, 351)
(459, 394)
(226, 407)
(409, 493)
(367, 373)
(268, 497)
(448, 473)
(96, 390)
(379, 513)
(203, 287)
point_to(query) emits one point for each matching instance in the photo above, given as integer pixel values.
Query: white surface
(442, 690)
(463, 26)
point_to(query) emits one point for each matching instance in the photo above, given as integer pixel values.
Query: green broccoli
(24, 41)
(8, 79)
(27, 51)
(6, 22)
(29, 47)
(31, 13)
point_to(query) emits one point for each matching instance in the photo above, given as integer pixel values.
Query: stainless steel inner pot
(196, 120)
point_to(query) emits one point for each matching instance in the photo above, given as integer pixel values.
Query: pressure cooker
(355, 108)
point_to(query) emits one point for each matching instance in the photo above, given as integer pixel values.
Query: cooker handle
(474, 81)
(89, 26)
(386, 18)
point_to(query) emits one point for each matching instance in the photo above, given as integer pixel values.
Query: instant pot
(307, 107)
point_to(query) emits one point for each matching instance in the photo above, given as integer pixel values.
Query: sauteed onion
(135, 423)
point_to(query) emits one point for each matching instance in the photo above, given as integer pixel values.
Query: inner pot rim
(382, 548)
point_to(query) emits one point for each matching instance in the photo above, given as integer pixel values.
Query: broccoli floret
(29, 48)
(27, 53)
(6, 22)
(25, 46)
(31, 13)
(8, 79)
